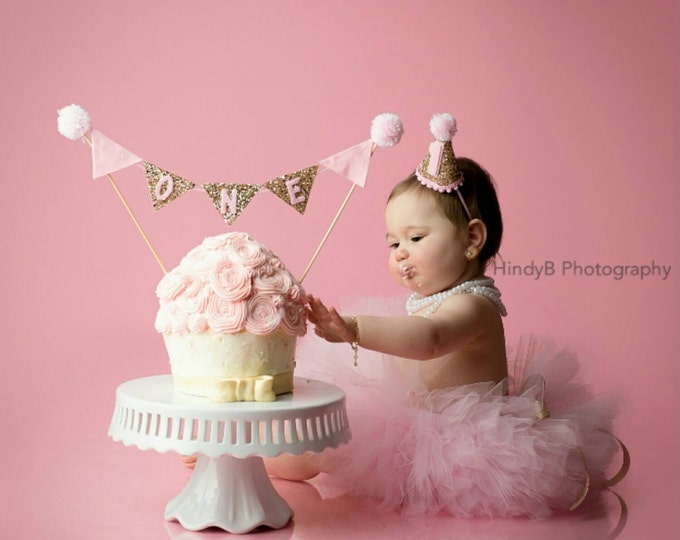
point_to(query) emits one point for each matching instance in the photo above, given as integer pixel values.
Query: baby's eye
(416, 238)
(394, 245)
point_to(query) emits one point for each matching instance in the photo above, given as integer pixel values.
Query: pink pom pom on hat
(443, 126)
(439, 170)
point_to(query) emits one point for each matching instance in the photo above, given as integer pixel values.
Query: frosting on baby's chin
(231, 283)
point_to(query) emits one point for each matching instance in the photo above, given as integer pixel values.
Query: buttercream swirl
(195, 303)
(263, 314)
(225, 316)
(294, 316)
(296, 293)
(170, 286)
(231, 283)
(276, 283)
(197, 323)
(230, 280)
(249, 253)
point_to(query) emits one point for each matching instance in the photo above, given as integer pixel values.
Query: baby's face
(427, 251)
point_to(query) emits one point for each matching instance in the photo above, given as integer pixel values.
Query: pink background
(572, 105)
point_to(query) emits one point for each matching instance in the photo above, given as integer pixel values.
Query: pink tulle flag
(108, 156)
(351, 163)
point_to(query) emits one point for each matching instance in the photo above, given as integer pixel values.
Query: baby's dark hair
(479, 194)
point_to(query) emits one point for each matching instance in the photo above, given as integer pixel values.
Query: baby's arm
(454, 324)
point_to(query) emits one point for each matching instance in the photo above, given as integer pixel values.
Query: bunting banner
(231, 199)
(294, 188)
(108, 156)
(164, 186)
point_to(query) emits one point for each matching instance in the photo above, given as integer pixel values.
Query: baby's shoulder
(470, 303)
(469, 310)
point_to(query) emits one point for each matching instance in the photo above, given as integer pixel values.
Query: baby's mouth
(407, 271)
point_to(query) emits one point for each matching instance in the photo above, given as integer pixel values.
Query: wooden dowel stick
(328, 232)
(132, 215)
(332, 225)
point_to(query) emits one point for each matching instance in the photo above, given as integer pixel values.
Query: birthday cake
(230, 314)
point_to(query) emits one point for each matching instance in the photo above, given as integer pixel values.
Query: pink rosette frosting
(264, 315)
(294, 320)
(271, 267)
(170, 286)
(201, 259)
(225, 316)
(296, 294)
(196, 302)
(171, 320)
(216, 243)
(230, 280)
(231, 283)
(197, 323)
(249, 253)
(275, 283)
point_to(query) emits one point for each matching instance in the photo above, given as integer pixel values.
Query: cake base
(232, 367)
(223, 389)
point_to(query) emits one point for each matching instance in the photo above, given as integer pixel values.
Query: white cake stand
(229, 487)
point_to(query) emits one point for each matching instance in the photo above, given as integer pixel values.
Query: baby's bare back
(463, 367)
(482, 359)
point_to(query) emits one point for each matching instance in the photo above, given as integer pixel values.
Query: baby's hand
(328, 323)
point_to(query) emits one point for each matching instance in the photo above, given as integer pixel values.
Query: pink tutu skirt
(532, 445)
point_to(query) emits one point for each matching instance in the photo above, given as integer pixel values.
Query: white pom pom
(386, 130)
(73, 122)
(443, 126)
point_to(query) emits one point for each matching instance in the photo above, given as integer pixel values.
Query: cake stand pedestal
(229, 487)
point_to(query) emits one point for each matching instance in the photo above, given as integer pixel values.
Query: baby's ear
(476, 235)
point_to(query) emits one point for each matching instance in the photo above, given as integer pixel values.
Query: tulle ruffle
(529, 446)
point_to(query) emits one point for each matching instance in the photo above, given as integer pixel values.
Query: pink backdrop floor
(572, 106)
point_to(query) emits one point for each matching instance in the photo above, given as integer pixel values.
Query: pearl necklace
(484, 286)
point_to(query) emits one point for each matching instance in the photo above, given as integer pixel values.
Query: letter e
(293, 190)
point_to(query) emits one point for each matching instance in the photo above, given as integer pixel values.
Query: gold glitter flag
(294, 188)
(164, 186)
(231, 199)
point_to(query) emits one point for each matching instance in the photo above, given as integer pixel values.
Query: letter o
(164, 187)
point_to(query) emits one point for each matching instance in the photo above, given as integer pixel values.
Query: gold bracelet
(355, 344)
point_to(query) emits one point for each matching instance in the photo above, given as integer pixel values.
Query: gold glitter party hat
(439, 170)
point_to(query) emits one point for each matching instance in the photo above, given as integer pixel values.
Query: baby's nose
(401, 254)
